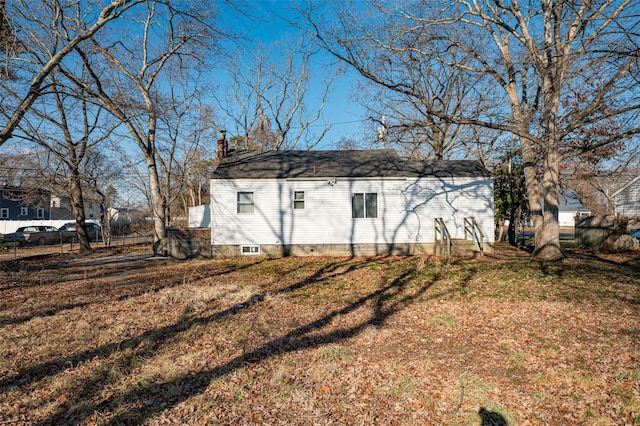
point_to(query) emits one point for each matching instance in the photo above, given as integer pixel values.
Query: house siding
(13, 207)
(568, 219)
(406, 212)
(627, 203)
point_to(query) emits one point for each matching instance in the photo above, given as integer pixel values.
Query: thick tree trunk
(548, 244)
(533, 190)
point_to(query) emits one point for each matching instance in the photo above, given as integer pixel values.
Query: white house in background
(61, 209)
(200, 216)
(569, 207)
(343, 203)
(627, 199)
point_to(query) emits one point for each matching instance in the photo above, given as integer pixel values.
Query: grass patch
(443, 320)
(406, 385)
(334, 353)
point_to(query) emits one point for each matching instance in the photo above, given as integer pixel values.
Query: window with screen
(364, 205)
(245, 202)
(298, 200)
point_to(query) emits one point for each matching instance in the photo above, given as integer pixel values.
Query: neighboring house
(61, 208)
(569, 207)
(20, 204)
(627, 199)
(125, 215)
(343, 203)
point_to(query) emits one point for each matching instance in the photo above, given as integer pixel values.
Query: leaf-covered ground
(117, 338)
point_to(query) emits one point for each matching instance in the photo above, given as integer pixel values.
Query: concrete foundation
(275, 250)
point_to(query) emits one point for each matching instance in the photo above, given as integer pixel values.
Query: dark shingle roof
(569, 200)
(326, 164)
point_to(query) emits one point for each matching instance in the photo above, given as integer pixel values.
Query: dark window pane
(357, 205)
(372, 205)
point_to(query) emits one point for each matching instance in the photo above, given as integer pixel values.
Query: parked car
(635, 233)
(34, 234)
(13, 236)
(70, 231)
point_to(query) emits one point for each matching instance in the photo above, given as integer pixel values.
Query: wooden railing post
(471, 226)
(441, 229)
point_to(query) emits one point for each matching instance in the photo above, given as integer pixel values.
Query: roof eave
(624, 188)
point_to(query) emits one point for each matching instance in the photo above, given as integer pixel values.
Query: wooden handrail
(441, 230)
(471, 227)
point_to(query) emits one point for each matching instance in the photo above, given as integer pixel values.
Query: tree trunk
(158, 203)
(548, 244)
(500, 231)
(533, 192)
(511, 231)
(77, 206)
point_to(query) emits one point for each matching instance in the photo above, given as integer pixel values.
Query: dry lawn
(115, 338)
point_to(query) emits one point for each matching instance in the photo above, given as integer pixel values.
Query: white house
(343, 203)
(200, 216)
(61, 208)
(627, 199)
(569, 207)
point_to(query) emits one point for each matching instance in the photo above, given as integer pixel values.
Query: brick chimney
(223, 148)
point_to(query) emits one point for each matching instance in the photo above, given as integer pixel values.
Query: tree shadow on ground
(589, 275)
(154, 338)
(154, 398)
(117, 270)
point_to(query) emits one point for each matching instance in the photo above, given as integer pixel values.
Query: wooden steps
(459, 248)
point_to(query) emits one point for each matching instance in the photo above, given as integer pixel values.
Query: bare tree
(67, 125)
(100, 175)
(129, 74)
(188, 133)
(266, 105)
(566, 74)
(404, 119)
(37, 36)
(598, 176)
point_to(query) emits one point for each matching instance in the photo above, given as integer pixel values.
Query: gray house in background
(364, 202)
(627, 199)
(19, 204)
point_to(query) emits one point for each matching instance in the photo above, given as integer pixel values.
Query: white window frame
(250, 250)
(40, 213)
(243, 203)
(24, 211)
(4, 213)
(299, 203)
(366, 205)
